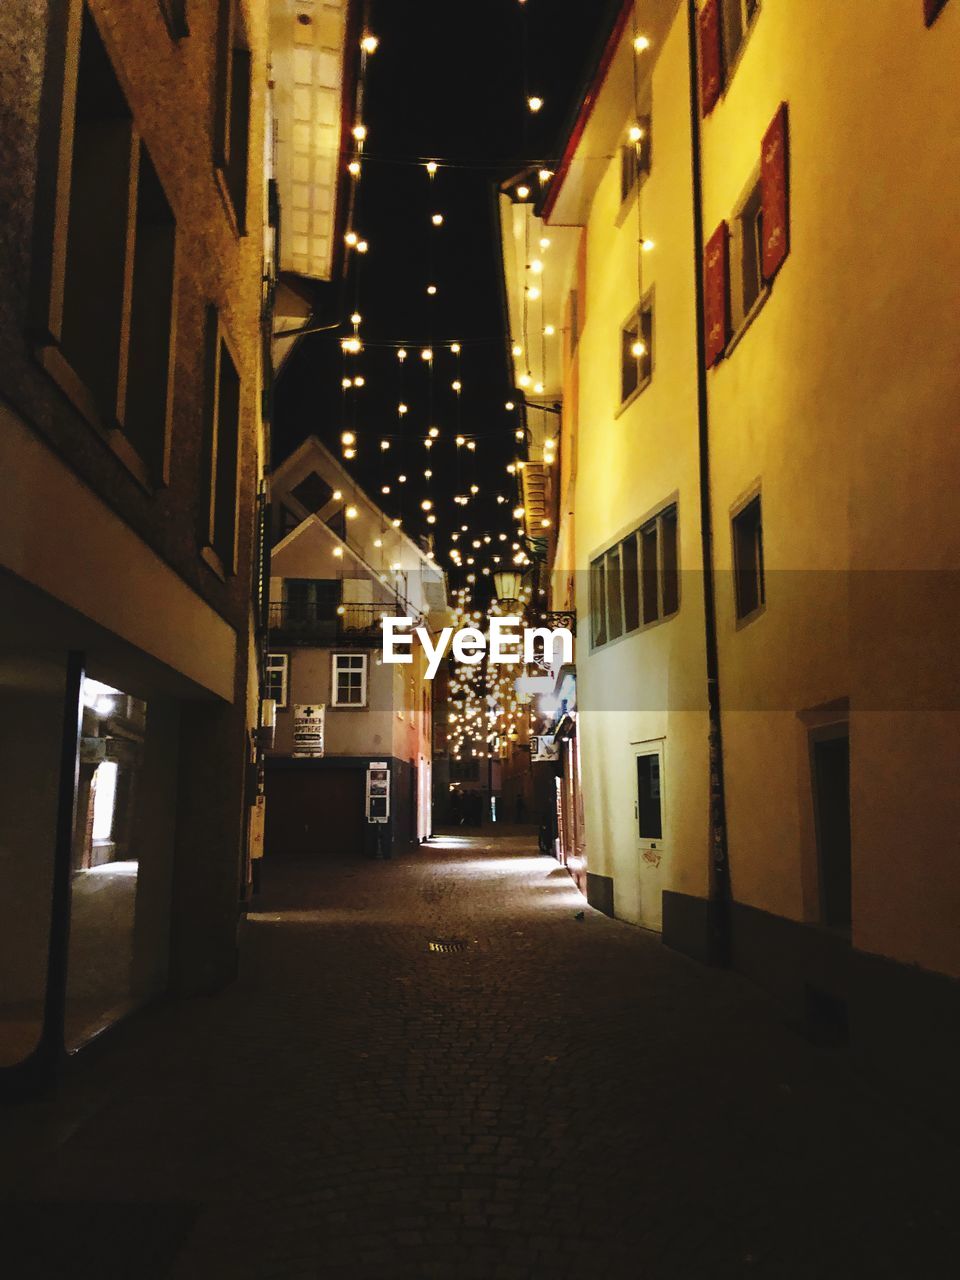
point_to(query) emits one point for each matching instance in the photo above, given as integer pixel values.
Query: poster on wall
(544, 746)
(308, 729)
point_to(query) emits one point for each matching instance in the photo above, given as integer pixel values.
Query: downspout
(718, 904)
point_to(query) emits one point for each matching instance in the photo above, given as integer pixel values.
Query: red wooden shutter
(711, 56)
(774, 194)
(715, 309)
(930, 10)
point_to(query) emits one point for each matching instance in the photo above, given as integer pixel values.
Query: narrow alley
(448, 1065)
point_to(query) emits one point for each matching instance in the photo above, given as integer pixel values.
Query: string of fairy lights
(484, 711)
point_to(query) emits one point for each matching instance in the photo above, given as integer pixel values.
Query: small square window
(349, 680)
(636, 351)
(748, 559)
(278, 668)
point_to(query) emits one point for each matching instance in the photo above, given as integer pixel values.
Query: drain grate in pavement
(445, 945)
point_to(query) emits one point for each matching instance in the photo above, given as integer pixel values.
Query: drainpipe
(718, 905)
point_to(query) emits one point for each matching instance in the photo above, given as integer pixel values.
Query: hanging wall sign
(308, 729)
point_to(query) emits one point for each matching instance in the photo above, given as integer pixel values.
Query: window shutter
(711, 56)
(715, 311)
(931, 8)
(774, 194)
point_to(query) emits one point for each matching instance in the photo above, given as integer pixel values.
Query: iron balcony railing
(306, 623)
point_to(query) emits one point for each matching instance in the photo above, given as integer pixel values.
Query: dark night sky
(447, 81)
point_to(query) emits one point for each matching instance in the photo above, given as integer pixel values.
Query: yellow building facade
(749, 274)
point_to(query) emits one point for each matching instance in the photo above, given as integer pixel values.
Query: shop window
(232, 109)
(636, 351)
(221, 447)
(111, 306)
(349, 680)
(748, 559)
(277, 678)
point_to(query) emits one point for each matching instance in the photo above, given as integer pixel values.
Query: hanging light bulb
(427, 474)
(378, 542)
(533, 292)
(472, 445)
(524, 380)
(426, 504)
(337, 495)
(474, 489)
(401, 479)
(369, 43)
(509, 406)
(427, 442)
(348, 438)
(635, 133)
(426, 354)
(517, 350)
(518, 513)
(384, 488)
(401, 409)
(351, 238)
(431, 289)
(456, 384)
(641, 44)
(356, 318)
(548, 331)
(535, 103)
(360, 381)
(455, 348)
(536, 266)
(646, 245)
(354, 167)
(384, 445)
(544, 176)
(401, 354)
(460, 440)
(437, 219)
(362, 246)
(523, 192)
(433, 432)
(338, 552)
(638, 349)
(349, 453)
(519, 433)
(431, 167)
(538, 388)
(431, 519)
(346, 382)
(360, 132)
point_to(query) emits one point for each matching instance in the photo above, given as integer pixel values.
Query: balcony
(304, 623)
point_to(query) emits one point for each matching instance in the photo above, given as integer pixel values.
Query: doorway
(830, 767)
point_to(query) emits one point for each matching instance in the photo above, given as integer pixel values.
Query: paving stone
(553, 1101)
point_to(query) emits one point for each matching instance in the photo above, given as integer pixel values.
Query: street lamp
(507, 584)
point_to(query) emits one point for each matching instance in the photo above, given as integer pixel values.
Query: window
(312, 492)
(637, 582)
(278, 671)
(636, 351)
(111, 310)
(349, 680)
(748, 559)
(736, 19)
(635, 160)
(221, 446)
(649, 806)
(175, 16)
(232, 120)
(312, 599)
(746, 248)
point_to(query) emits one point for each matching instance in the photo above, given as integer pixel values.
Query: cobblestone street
(560, 1097)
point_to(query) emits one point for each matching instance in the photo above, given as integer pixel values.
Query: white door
(649, 814)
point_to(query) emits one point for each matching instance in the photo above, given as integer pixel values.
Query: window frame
(50, 268)
(748, 20)
(218, 340)
(232, 37)
(282, 702)
(653, 749)
(640, 323)
(640, 165)
(599, 577)
(334, 685)
(742, 316)
(737, 514)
